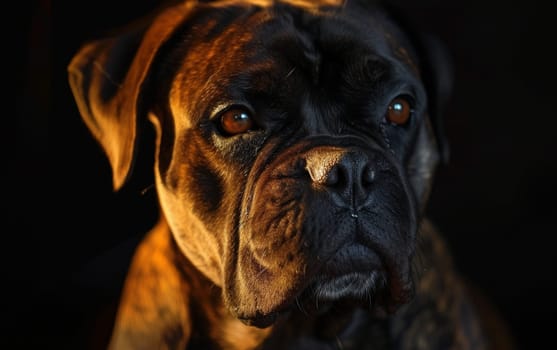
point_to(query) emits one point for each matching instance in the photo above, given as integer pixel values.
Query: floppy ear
(438, 77)
(108, 77)
(436, 74)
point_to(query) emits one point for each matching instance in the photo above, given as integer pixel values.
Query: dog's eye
(236, 121)
(399, 111)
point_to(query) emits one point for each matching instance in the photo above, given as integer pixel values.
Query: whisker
(147, 189)
(290, 72)
(300, 306)
(339, 343)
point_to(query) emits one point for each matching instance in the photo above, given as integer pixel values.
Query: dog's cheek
(421, 164)
(191, 194)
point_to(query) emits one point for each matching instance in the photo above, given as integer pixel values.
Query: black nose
(347, 174)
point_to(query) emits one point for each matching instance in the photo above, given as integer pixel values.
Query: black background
(495, 200)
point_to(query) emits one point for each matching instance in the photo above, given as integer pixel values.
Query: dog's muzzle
(326, 222)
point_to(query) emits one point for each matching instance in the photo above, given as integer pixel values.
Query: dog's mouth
(357, 290)
(358, 274)
(374, 286)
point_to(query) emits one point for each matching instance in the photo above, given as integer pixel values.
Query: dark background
(495, 200)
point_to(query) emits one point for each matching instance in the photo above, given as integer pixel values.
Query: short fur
(306, 231)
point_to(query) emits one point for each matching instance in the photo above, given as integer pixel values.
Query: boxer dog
(296, 144)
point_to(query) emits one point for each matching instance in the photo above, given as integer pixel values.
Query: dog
(296, 144)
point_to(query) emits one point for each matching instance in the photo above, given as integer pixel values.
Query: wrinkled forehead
(338, 35)
(288, 27)
(228, 40)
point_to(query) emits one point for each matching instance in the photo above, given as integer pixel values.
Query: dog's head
(296, 143)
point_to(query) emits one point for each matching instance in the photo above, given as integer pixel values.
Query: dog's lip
(365, 290)
(377, 291)
(355, 284)
(379, 286)
(382, 293)
(384, 286)
(359, 283)
(351, 258)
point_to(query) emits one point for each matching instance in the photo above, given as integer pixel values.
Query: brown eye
(399, 111)
(236, 121)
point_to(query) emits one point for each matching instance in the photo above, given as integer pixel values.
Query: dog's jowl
(296, 144)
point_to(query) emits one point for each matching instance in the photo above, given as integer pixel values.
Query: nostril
(322, 166)
(333, 177)
(348, 174)
(368, 175)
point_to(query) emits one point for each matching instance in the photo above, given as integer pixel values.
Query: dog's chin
(362, 290)
(355, 286)
(348, 292)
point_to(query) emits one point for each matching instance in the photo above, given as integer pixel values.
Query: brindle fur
(307, 232)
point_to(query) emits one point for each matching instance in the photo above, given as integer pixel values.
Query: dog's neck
(336, 328)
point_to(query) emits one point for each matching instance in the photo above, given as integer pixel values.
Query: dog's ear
(108, 77)
(438, 76)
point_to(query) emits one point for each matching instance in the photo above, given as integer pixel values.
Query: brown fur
(305, 233)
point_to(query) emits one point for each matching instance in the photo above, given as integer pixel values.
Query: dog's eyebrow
(401, 52)
(374, 66)
(262, 76)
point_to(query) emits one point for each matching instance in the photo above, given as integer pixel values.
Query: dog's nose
(348, 174)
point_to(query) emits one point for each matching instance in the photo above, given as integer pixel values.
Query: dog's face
(295, 145)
